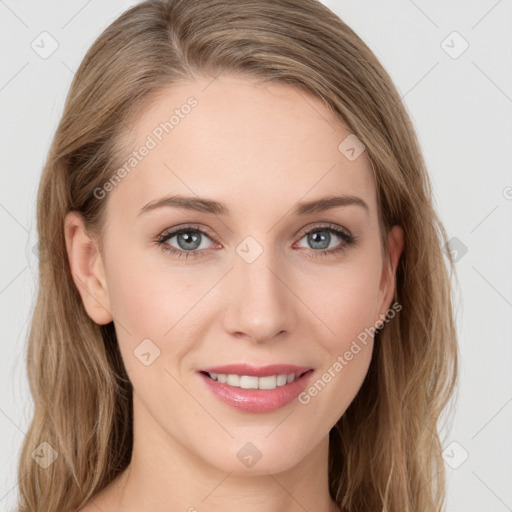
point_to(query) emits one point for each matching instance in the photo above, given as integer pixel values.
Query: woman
(243, 302)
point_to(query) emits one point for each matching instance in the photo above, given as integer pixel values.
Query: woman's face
(242, 284)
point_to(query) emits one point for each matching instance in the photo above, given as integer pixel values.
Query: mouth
(270, 389)
(255, 382)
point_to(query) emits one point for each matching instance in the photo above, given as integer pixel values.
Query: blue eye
(190, 238)
(319, 235)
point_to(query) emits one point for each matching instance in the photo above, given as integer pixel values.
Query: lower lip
(257, 400)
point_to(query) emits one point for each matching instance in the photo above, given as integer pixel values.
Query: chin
(253, 458)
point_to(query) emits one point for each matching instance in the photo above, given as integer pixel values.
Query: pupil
(323, 238)
(189, 239)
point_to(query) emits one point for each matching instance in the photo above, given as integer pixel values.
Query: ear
(87, 269)
(387, 282)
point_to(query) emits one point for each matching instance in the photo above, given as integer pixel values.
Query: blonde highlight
(385, 451)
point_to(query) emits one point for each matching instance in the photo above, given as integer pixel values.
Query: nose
(260, 303)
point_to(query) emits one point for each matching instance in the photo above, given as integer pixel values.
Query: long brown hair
(385, 451)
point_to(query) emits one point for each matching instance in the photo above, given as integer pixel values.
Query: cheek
(347, 306)
(137, 300)
(145, 303)
(149, 299)
(157, 302)
(348, 303)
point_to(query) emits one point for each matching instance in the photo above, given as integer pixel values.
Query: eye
(320, 238)
(189, 240)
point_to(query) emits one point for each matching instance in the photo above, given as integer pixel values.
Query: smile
(253, 382)
(253, 394)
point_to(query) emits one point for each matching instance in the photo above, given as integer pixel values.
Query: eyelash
(347, 241)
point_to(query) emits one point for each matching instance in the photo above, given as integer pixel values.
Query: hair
(385, 450)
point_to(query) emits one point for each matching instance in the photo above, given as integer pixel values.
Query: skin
(259, 149)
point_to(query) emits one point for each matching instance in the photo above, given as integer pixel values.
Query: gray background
(461, 105)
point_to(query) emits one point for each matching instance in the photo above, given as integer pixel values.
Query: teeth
(281, 380)
(251, 382)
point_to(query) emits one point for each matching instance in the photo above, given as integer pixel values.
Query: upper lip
(257, 371)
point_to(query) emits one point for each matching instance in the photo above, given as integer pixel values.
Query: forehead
(245, 143)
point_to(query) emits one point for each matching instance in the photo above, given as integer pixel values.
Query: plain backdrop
(451, 63)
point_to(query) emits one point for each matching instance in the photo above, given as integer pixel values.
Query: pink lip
(257, 400)
(254, 371)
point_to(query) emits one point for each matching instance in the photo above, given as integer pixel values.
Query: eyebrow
(205, 205)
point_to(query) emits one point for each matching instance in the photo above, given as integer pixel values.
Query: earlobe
(395, 248)
(87, 269)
